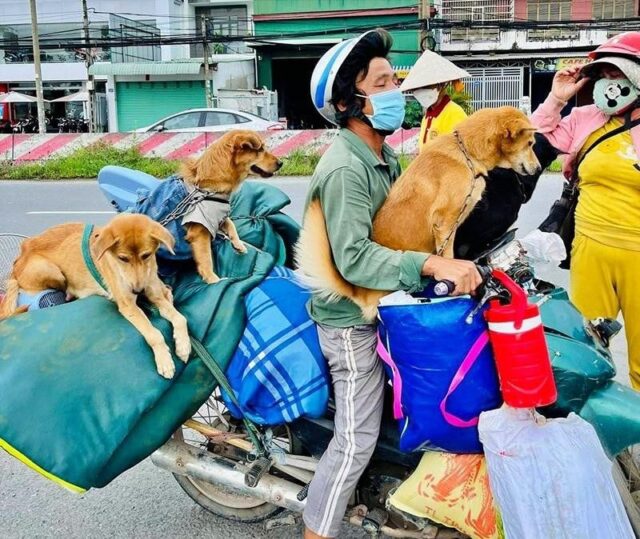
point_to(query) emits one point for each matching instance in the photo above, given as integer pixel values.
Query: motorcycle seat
(122, 186)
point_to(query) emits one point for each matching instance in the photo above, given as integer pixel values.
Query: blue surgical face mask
(388, 110)
(614, 96)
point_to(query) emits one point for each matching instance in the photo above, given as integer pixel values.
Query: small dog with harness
(116, 261)
(194, 205)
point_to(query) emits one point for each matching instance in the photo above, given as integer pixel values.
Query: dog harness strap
(474, 179)
(201, 351)
(88, 259)
(192, 199)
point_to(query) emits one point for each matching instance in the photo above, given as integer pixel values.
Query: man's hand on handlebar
(463, 273)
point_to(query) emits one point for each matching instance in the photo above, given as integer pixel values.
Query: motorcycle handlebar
(446, 287)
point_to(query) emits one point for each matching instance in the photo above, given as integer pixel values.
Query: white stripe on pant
(358, 384)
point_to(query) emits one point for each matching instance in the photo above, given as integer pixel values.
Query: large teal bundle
(80, 399)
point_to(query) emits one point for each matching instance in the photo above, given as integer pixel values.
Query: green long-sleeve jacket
(352, 183)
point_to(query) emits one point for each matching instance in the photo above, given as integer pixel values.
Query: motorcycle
(214, 462)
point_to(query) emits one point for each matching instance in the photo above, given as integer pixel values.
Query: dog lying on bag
(124, 254)
(194, 205)
(428, 202)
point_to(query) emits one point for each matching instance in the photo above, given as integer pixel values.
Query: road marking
(65, 212)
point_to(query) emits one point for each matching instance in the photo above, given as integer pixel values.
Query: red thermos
(520, 349)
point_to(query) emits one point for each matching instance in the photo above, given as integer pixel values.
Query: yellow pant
(604, 281)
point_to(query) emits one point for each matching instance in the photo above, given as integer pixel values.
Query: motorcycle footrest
(255, 472)
(374, 520)
(302, 495)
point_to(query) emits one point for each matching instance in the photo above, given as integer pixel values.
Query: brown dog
(429, 201)
(124, 254)
(221, 170)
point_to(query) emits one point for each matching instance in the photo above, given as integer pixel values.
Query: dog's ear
(249, 141)
(516, 129)
(105, 240)
(162, 235)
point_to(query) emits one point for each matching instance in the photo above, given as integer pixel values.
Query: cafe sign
(557, 64)
(564, 63)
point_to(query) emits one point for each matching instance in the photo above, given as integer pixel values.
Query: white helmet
(325, 73)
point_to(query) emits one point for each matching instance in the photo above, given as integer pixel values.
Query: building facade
(135, 85)
(304, 30)
(513, 48)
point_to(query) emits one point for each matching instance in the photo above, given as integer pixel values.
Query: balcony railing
(496, 39)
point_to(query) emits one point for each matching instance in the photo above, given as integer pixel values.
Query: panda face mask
(614, 96)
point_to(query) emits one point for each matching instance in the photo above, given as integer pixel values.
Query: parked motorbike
(29, 124)
(70, 124)
(214, 462)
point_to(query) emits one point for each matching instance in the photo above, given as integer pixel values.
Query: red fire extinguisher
(520, 349)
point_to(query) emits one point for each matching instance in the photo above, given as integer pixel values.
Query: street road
(145, 502)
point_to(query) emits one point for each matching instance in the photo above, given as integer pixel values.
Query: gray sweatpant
(358, 384)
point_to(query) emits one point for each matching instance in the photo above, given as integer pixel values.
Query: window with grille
(481, 11)
(545, 10)
(550, 11)
(477, 10)
(613, 9)
(221, 21)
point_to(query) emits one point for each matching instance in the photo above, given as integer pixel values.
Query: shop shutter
(142, 103)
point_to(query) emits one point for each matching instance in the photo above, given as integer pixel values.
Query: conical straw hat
(431, 69)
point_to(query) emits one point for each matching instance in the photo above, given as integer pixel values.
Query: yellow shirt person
(440, 119)
(427, 81)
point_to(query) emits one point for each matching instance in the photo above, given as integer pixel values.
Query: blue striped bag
(278, 372)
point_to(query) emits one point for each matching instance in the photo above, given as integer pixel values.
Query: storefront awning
(295, 42)
(147, 68)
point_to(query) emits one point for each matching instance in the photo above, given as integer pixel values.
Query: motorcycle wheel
(626, 474)
(218, 500)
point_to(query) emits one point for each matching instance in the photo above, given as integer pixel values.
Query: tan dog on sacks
(124, 255)
(429, 200)
(220, 171)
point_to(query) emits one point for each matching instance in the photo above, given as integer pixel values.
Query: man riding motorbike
(354, 86)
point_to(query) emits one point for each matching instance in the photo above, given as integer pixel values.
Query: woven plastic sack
(452, 490)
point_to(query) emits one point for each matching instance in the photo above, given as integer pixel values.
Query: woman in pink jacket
(605, 255)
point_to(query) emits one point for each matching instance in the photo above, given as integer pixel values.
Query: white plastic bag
(544, 247)
(550, 477)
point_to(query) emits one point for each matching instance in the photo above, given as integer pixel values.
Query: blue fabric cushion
(278, 372)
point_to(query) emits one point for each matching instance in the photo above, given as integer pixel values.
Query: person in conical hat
(428, 81)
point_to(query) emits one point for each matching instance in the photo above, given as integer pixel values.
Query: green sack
(80, 399)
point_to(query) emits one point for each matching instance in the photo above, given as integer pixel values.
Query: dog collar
(88, 259)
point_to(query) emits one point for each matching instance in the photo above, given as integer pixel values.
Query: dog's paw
(211, 279)
(164, 362)
(240, 247)
(183, 347)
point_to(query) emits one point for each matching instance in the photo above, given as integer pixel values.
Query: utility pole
(424, 15)
(88, 62)
(205, 48)
(42, 127)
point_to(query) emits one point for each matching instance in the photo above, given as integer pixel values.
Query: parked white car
(211, 120)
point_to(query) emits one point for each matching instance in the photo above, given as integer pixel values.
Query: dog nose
(279, 164)
(137, 290)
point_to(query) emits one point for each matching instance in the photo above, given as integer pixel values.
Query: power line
(114, 38)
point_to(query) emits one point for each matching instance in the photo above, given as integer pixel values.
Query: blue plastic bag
(444, 373)
(278, 372)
